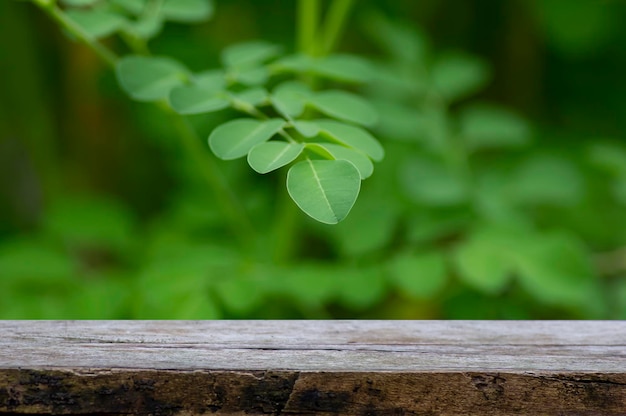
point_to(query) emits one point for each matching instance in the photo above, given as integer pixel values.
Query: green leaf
(79, 3)
(456, 76)
(97, 23)
(420, 275)
(192, 99)
(429, 182)
(268, 156)
(325, 190)
(339, 152)
(345, 106)
(253, 97)
(187, 11)
(346, 68)
(149, 78)
(547, 179)
(486, 260)
(352, 136)
(289, 98)
(486, 126)
(250, 76)
(306, 128)
(404, 42)
(555, 268)
(213, 79)
(234, 139)
(146, 26)
(249, 54)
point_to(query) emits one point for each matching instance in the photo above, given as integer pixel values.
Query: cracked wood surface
(313, 367)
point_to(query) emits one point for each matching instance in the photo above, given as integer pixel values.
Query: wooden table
(313, 367)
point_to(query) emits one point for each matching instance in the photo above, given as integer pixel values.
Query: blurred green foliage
(501, 195)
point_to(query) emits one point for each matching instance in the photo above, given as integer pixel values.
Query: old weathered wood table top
(313, 367)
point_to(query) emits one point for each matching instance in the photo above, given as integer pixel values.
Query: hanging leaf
(236, 138)
(187, 11)
(268, 156)
(191, 99)
(339, 152)
(289, 98)
(345, 106)
(97, 23)
(352, 136)
(149, 78)
(324, 189)
(249, 54)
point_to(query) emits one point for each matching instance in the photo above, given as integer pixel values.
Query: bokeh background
(502, 195)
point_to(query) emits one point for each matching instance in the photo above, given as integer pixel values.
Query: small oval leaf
(97, 23)
(149, 78)
(236, 138)
(352, 136)
(325, 190)
(268, 156)
(249, 54)
(191, 99)
(290, 98)
(187, 11)
(345, 106)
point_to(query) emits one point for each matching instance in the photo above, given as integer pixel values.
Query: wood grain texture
(313, 367)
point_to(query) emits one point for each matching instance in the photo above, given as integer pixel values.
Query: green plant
(475, 212)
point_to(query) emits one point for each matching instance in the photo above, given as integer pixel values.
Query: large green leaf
(192, 99)
(187, 11)
(352, 136)
(149, 78)
(486, 126)
(339, 152)
(249, 54)
(456, 76)
(97, 23)
(234, 139)
(268, 156)
(420, 275)
(324, 189)
(344, 105)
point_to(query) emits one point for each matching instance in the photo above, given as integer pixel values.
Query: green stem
(68, 24)
(308, 16)
(230, 205)
(334, 25)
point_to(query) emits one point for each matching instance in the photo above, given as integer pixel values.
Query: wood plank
(313, 367)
